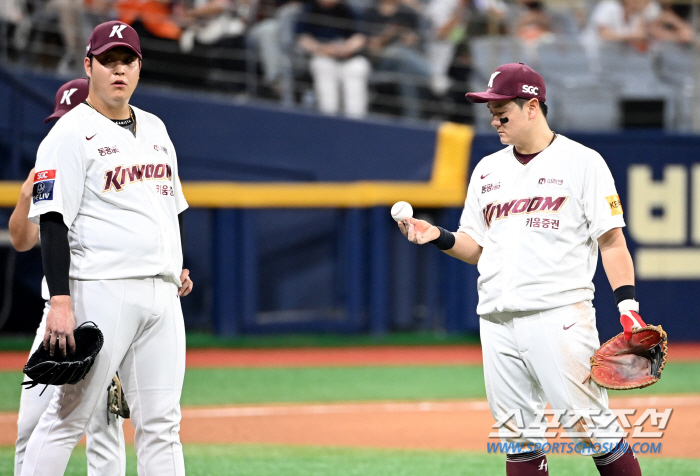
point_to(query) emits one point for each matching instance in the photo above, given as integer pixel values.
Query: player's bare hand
(60, 323)
(187, 283)
(418, 231)
(403, 227)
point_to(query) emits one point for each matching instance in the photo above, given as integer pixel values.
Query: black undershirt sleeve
(55, 253)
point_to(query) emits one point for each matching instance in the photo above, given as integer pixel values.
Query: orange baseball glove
(637, 362)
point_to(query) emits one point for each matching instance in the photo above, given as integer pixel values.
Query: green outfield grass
(202, 340)
(334, 384)
(327, 384)
(264, 460)
(331, 384)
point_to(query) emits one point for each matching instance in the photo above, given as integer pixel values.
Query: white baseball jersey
(45, 295)
(112, 188)
(538, 225)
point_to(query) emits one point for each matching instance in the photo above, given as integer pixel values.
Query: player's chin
(118, 94)
(122, 92)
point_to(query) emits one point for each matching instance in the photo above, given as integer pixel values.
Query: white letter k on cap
(493, 76)
(117, 30)
(66, 96)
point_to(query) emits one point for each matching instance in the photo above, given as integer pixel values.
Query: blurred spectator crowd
(409, 58)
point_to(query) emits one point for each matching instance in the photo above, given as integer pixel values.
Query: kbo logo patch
(43, 185)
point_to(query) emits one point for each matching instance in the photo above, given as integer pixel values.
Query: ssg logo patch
(615, 205)
(43, 185)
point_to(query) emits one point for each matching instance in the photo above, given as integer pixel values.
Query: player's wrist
(626, 299)
(60, 299)
(445, 241)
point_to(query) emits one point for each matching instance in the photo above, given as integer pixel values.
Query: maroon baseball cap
(68, 96)
(510, 81)
(111, 34)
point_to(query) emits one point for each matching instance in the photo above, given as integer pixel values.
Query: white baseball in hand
(401, 211)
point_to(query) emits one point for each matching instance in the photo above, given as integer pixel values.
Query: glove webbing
(74, 366)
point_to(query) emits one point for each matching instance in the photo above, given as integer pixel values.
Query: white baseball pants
(330, 74)
(105, 442)
(144, 334)
(535, 358)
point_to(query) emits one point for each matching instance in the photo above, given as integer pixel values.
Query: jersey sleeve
(601, 203)
(471, 221)
(59, 178)
(180, 201)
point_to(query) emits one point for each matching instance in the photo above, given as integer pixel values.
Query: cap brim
(486, 97)
(109, 46)
(55, 115)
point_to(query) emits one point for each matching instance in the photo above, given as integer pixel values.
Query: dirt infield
(458, 425)
(462, 425)
(342, 356)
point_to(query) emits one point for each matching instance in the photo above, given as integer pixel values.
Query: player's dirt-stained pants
(105, 441)
(144, 334)
(535, 358)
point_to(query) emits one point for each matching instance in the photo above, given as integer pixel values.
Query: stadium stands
(593, 84)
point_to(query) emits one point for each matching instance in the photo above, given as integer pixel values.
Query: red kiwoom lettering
(44, 175)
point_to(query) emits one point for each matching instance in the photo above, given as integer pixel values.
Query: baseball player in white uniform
(107, 199)
(105, 438)
(535, 216)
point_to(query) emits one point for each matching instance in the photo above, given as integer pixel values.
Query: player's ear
(532, 106)
(88, 66)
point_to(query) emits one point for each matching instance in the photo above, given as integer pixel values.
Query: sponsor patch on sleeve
(615, 205)
(43, 191)
(44, 175)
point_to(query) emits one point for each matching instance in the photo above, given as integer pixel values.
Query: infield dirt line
(406, 407)
(235, 411)
(331, 408)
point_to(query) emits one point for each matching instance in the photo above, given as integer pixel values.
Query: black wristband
(445, 241)
(624, 292)
(55, 253)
